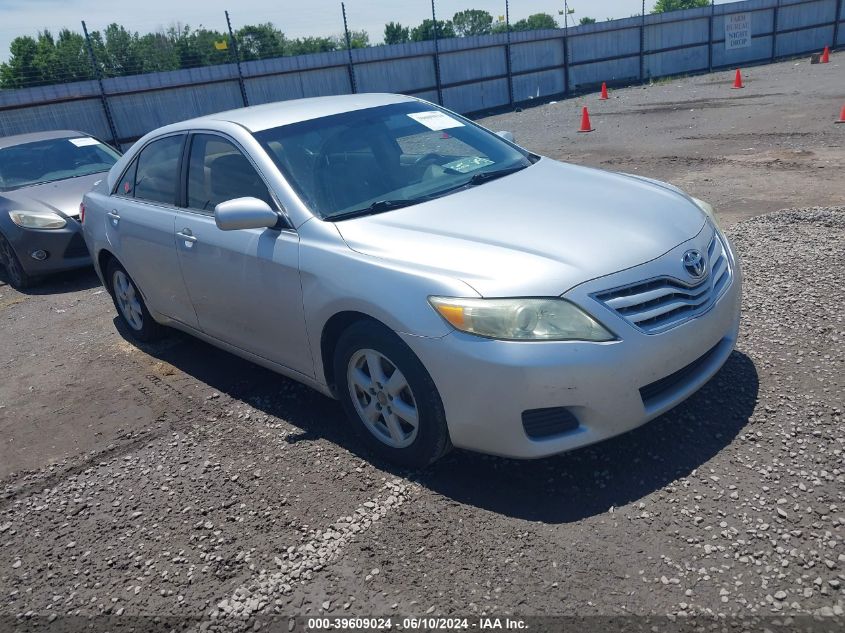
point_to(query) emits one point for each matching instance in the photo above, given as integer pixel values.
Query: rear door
(140, 225)
(244, 284)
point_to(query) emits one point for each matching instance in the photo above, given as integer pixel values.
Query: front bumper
(486, 385)
(65, 248)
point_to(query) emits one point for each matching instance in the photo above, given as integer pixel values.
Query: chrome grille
(662, 303)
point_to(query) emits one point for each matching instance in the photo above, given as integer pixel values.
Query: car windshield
(379, 159)
(53, 159)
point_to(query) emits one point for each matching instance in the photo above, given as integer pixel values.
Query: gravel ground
(749, 151)
(247, 496)
(177, 482)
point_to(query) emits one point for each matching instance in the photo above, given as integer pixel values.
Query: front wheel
(390, 397)
(18, 278)
(130, 305)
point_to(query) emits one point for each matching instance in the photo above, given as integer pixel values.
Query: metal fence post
(565, 54)
(642, 45)
(775, 30)
(99, 77)
(710, 37)
(436, 57)
(234, 52)
(352, 81)
(508, 51)
(839, 6)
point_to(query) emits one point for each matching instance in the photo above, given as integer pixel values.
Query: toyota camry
(449, 287)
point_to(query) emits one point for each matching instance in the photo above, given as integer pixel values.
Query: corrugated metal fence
(475, 73)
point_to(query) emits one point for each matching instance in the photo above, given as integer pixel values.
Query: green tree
(425, 31)
(535, 22)
(395, 33)
(157, 53)
(662, 6)
(305, 45)
(21, 70)
(260, 41)
(121, 52)
(72, 56)
(472, 22)
(586, 20)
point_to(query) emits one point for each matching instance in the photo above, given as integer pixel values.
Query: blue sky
(311, 17)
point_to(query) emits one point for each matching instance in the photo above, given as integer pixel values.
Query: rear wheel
(130, 304)
(389, 396)
(18, 278)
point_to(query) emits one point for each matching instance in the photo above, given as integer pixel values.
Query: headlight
(521, 319)
(708, 209)
(38, 219)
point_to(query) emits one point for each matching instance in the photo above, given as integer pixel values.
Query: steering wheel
(430, 158)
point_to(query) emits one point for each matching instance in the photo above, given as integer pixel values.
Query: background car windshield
(53, 159)
(406, 151)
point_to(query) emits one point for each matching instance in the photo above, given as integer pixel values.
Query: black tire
(144, 328)
(17, 276)
(431, 440)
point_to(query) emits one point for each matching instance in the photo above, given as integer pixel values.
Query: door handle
(114, 216)
(187, 236)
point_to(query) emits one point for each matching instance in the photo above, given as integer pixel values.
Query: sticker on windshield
(435, 120)
(466, 165)
(83, 142)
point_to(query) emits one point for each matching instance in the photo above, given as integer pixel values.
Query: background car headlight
(521, 319)
(708, 209)
(38, 219)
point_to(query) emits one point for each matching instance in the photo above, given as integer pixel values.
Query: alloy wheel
(383, 398)
(127, 300)
(9, 261)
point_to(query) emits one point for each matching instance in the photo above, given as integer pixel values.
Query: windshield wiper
(487, 176)
(379, 206)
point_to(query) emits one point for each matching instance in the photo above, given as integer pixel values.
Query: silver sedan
(449, 287)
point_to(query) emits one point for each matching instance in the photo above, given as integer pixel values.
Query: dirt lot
(178, 481)
(768, 146)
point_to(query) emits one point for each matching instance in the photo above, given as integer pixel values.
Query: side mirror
(244, 213)
(508, 136)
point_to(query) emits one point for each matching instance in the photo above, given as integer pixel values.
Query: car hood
(538, 232)
(63, 196)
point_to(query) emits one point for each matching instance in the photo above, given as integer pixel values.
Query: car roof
(20, 139)
(270, 115)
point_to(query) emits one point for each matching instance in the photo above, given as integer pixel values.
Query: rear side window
(218, 171)
(126, 186)
(157, 172)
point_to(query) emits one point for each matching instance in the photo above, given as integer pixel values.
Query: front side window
(218, 171)
(379, 158)
(157, 174)
(51, 160)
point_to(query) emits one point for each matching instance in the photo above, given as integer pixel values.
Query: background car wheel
(389, 396)
(130, 305)
(14, 271)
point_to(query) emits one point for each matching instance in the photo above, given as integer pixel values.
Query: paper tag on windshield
(435, 120)
(83, 142)
(466, 165)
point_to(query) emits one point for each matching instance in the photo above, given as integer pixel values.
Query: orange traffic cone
(842, 115)
(826, 55)
(603, 96)
(738, 80)
(585, 121)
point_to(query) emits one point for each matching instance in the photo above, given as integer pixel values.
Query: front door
(244, 285)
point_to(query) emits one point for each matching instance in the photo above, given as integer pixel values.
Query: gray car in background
(448, 286)
(43, 177)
